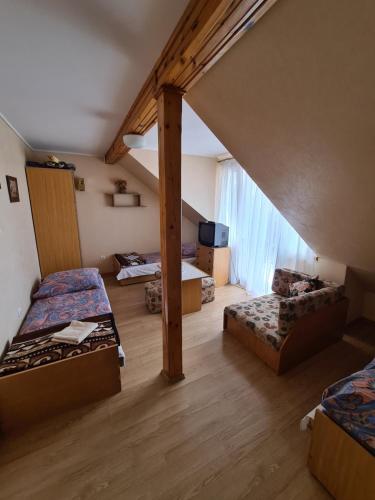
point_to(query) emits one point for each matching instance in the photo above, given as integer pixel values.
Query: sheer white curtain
(259, 236)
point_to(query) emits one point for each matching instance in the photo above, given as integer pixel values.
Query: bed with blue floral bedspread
(66, 296)
(40, 377)
(350, 402)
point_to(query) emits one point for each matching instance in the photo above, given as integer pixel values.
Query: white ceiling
(70, 69)
(197, 138)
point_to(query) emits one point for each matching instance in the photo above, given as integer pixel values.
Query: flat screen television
(213, 234)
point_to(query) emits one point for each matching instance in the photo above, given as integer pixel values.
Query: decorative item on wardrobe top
(52, 162)
(123, 198)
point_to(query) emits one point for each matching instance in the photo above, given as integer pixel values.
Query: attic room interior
(187, 273)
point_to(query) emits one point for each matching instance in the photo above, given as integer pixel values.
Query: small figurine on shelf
(121, 186)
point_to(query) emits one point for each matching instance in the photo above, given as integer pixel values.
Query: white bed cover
(143, 270)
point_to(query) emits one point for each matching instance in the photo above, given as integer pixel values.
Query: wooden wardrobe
(53, 205)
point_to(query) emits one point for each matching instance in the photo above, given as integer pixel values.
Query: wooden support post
(169, 102)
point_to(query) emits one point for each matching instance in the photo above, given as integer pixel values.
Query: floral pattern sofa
(271, 318)
(153, 294)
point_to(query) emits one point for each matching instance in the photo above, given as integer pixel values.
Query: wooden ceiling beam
(206, 30)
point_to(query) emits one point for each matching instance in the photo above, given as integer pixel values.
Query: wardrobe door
(53, 205)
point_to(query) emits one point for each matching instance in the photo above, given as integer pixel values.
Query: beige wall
(293, 101)
(369, 306)
(19, 266)
(104, 229)
(331, 270)
(355, 293)
(198, 179)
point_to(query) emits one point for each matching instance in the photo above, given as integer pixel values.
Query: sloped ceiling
(70, 70)
(150, 180)
(294, 102)
(197, 139)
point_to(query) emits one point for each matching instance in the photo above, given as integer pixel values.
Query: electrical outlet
(103, 257)
(19, 312)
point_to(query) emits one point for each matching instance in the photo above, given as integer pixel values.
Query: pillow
(189, 249)
(305, 286)
(130, 259)
(71, 281)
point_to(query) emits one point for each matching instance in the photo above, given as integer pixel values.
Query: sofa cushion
(283, 278)
(304, 286)
(260, 316)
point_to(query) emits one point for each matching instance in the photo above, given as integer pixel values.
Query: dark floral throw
(130, 259)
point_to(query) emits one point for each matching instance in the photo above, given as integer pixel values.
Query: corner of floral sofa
(294, 308)
(271, 317)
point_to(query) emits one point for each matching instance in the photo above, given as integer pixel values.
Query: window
(260, 238)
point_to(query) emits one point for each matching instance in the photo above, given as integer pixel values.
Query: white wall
(198, 179)
(19, 266)
(104, 229)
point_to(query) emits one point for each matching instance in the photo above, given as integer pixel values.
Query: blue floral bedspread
(350, 402)
(51, 311)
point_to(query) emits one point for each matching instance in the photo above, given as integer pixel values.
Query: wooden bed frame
(310, 334)
(344, 467)
(32, 395)
(131, 281)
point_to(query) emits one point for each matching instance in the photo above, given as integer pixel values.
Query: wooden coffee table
(191, 278)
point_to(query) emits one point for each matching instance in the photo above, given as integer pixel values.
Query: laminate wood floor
(230, 430)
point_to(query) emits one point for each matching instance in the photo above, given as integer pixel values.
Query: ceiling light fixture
(134, 141)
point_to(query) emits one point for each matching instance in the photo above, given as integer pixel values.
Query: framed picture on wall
(13, 189)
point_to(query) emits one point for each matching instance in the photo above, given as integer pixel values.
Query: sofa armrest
(283, 277)
(294, 308)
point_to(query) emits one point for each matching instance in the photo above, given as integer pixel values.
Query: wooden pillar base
(172, 380)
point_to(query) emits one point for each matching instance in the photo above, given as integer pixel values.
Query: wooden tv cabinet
(215, 262)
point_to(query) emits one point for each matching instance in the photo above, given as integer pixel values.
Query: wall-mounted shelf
(127, 200)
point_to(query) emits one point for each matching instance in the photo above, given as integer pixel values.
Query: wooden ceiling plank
(190, 42)
(215, 27)
(207, 29)
(219, 41)
(182, 32)
(142, 118)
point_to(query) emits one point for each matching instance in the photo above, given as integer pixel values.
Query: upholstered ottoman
(153, 294)
(208, 290)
